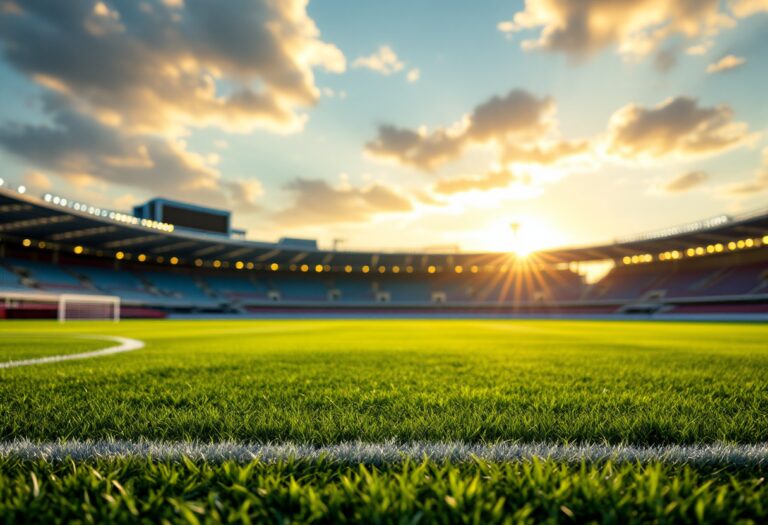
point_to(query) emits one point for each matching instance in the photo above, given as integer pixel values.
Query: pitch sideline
(125, 345)
(389, 452)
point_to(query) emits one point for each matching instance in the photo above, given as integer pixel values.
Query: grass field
(330, 382)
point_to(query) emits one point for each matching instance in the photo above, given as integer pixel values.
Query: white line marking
(389, 452)
(126, 345)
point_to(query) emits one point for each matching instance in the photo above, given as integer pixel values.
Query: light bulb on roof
(47, 197)
(22, 189)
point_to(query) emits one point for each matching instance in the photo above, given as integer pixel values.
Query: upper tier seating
(49, 277)
(124, 284)
(179, 289)
(11, 281)
(240, 288)
(300, 287)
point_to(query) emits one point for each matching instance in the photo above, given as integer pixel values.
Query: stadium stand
(715, 266)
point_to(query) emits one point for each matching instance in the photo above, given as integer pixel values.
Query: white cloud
(634, 28)
(726, 63)
(384, 60)
(677, 127)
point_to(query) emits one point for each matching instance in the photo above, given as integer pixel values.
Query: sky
(439, 124)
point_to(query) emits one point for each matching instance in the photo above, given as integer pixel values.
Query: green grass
(330, 381)
(14, 347)
(325, 382)
(302, 492)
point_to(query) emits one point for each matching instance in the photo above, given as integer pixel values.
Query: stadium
(55, 247)
(267, 408)
(435, 262)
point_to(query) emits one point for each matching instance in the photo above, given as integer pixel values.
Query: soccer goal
(65, 307)
(88, 307)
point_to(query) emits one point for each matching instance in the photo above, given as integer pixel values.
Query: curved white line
(389, 452)
(125, 345)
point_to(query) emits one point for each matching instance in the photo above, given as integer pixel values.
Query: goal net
(73, 307)
(65, 307)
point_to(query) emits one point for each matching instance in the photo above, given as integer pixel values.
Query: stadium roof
(65, 224)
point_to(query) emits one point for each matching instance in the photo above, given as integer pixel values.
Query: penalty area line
(125, 344)
(389, 452)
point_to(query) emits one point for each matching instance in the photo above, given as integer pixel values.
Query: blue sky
(650, 117)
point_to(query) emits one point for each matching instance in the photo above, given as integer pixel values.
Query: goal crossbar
(85, 306)
(64, 307)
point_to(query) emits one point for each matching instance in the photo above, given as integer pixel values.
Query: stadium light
(409, 269)
(26, 243)
(304, 268)
(274, 267)
(348, 268)
(366, 269)
(78, 250)
(382, 269)
(22, 189)
(458, 269)
(749, 243)
(119, 256)
(627, 259)
(474, 269)
(142, 257)
(395, 269)
(319, 268)
(431, 269)
(174, 260)
(249, 266)
(217, 264)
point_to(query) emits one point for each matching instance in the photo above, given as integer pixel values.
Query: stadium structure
(168, 259)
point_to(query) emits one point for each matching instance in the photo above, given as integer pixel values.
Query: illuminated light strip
(677, 230)
(56, 219)
(107, 214)
(75, 234)
(386, 452)
(10, 208)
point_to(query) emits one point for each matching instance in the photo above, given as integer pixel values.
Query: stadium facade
(52, 246)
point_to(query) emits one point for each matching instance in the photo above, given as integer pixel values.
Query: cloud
(517, 116)
(756, 185)
(744, 8)
(413, 75)
(634, 29)
(37, 180)
(317, 202)
(384, 60)
(700, 49)
(419, 149)
(156, 66)
(83, 150)
(677, 127)
(490, 181)
(547, 153)
(726, 63)
(665, 60)
(685, 181)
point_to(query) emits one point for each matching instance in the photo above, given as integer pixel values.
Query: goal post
(73, 307)
(17, 304)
